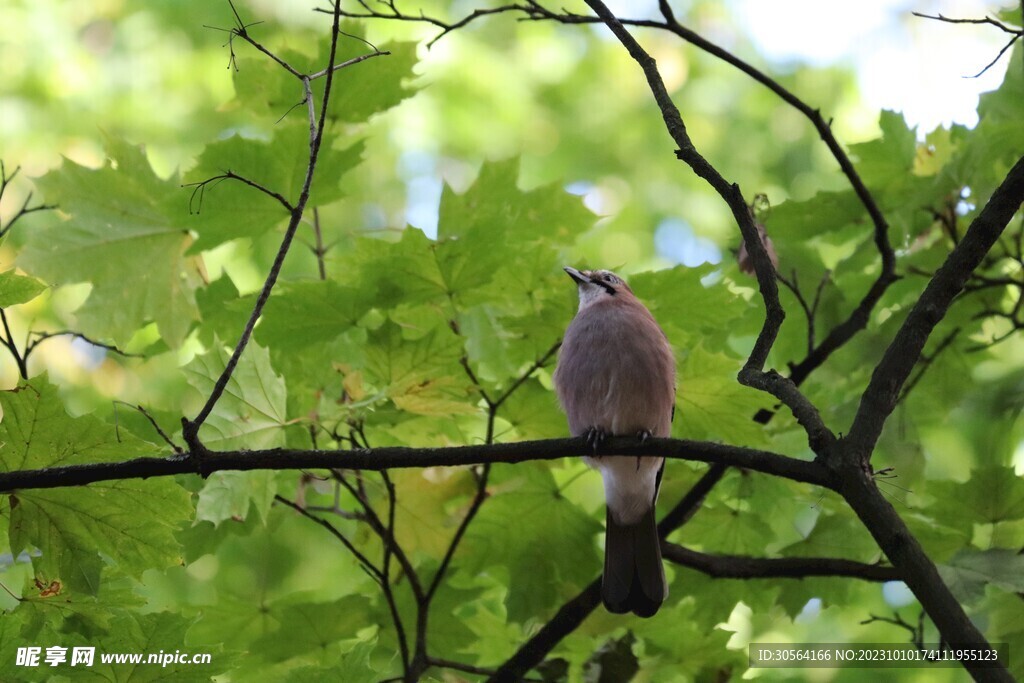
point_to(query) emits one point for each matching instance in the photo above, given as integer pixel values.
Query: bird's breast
(616, 372)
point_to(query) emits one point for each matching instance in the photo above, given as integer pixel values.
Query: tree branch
(376, 459)
(916, 569)
(859, 317)
(364, 561)
(25, 209)
(1015, 34)
(752, 374)
(899, 360)
(742, 567)
(200, 188)
(190, 428)
(349, 62)
(43, 336)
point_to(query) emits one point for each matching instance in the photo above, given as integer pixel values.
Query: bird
(616, 376)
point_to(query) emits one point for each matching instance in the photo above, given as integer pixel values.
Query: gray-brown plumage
(616, 376)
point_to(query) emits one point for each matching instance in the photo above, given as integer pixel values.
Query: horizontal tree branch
(743, 567)
(375, 459)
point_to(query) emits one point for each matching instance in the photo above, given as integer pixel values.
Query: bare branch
(1015, 33)
(752, 374)
(880, 397)
(916, 632)
(200, 188)
(348, 62)
(190, 428)
(984, 20)
(395, 15)
(25, 209)
(363, 560)
(741, 567)
(43, 336)
(376, 459)
(999, 55)
(163, 435)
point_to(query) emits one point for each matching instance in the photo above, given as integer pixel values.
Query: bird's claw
(595, 437)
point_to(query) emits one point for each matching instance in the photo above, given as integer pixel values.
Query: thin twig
(363, 560)
(349, 62)
(318, 250)
(163, 435)
(190, 429)
(8, 341)
(200, 189)
(43, 336)
(1015, 33)
(926, 361)
(25, 209)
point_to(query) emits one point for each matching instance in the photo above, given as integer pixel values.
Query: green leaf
(229, 209)
(838, 535)
(678, 299)
(712, 404)
(720, 529)
(992, 494)
(223, 311)
(229, 495)
(18, 289)
(969, 572)
(303, 313)
(534, 412)
(421, 376)
(313, 627)
(549, 552)
(125, 225)
(37, 432)
(399, 272)
(376, 85)
(424, 524)
(131, 521)
(477, 229)
(251, 412)
(355, 667)
(889, 157)
(161, 633)
(358, 91)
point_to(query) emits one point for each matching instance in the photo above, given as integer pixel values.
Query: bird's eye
(607, 278)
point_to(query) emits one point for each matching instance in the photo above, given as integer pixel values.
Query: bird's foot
(595, 437)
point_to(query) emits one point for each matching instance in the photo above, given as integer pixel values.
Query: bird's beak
(576, 275)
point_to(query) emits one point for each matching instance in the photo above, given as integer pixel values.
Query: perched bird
(616, 376)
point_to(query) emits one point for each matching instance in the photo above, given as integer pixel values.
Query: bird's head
(595, 285)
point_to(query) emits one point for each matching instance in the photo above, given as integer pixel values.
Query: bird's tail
(634, 578)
